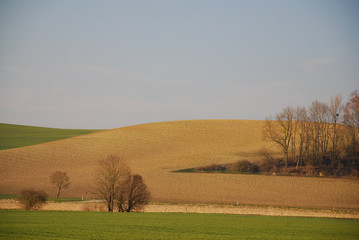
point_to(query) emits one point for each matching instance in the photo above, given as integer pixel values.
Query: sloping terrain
(14, 136)
(155, 150)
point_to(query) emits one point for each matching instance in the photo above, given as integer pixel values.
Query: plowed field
(154, 150)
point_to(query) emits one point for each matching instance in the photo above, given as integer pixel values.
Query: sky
(107, 64)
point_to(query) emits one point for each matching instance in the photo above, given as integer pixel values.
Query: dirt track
(199, 208)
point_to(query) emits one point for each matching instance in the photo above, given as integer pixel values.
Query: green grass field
(15, 224)
(13, 136)
(8, 196)
(51, 199)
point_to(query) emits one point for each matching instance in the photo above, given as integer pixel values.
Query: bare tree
(302, 127)
(351, 118)
(335, 109)
(313, 136)
(60, 180)
(281, 131)
(110, 172)
(133, 194)
(319, 117)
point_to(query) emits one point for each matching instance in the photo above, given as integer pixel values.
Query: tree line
(323, 135)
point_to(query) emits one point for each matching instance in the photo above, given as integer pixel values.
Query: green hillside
(14, 136)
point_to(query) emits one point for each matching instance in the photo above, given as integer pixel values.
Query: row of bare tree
(113, 183)
(321, 134)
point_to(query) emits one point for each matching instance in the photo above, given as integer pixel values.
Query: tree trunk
(129, 206)
(58, 193)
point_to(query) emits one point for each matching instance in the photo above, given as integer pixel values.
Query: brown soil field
(155, 150)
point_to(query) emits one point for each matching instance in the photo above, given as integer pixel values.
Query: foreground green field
(99, 225)
(14, 136)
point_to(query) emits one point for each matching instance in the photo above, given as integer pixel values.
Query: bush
(210, 168)
(270, 165)
(244, 166)
(354, 173)
(31, 199)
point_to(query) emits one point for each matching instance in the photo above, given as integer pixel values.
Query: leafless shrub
(269, 165)
(211, 168)
(32, 199)
(354, 173)
(244, 166)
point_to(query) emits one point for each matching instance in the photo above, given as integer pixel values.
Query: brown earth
(155, 150)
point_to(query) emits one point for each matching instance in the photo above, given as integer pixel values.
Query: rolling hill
(14, 136)
(155, 150)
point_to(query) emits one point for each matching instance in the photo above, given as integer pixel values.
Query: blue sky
(107, 64)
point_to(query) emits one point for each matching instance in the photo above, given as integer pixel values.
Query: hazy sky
(107, 64)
